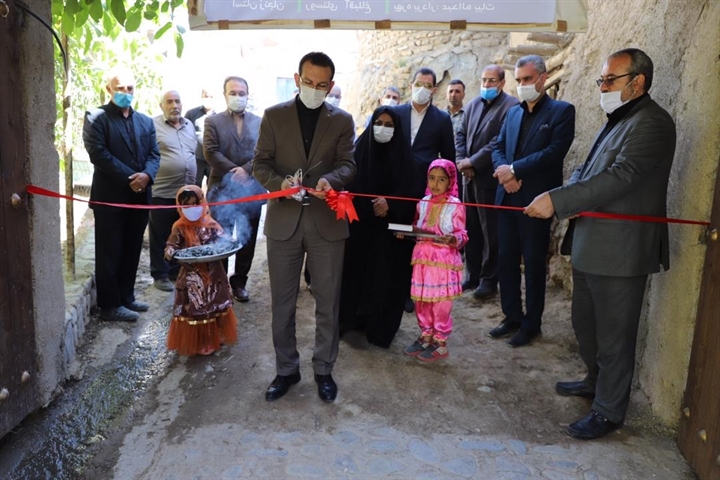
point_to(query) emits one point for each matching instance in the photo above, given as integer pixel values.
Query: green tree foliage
(99, 35)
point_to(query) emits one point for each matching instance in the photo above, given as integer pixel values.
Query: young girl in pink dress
(437, 265)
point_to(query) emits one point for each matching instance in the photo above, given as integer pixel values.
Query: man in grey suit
(229, 140)
(474, 143)
(310, 134)
(626, 172)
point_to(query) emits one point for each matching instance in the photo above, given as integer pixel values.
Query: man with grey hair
(474, 143)
(177, 142)
(626, 172)
(124, 153)
(334, 96)
(528, 160)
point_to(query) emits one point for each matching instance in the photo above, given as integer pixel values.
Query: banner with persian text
(424, 11)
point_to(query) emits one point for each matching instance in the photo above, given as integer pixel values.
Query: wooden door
(17, 329)
(699, 435)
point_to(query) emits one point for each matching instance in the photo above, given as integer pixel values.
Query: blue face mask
(122, 99)
(489, 94)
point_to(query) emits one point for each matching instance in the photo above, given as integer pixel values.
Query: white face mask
(527, 93)
(237, 103)
(389, 102)
(334, 101)
(311, 97)
(383, 134)
(193, 213)
(421, 95)
(611, 101)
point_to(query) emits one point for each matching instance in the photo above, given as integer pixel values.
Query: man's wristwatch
(512, 170)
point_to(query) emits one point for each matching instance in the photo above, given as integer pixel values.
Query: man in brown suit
(229, 140)
(305, 133)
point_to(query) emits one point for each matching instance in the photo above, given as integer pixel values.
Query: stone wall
(683, 40)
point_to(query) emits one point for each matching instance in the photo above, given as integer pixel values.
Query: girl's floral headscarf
(451, 171)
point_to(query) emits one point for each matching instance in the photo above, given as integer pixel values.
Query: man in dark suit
(197, 118)
(310, 134)
(626, 172)
(428, 129)
(528, 160)
(429, 133)
(122, 147)
(474, 143)
(229, 145)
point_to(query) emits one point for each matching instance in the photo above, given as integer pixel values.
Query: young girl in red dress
(203, 317)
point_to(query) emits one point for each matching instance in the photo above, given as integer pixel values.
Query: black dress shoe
(591, 426)
(505, 328)
(136, 306)
(241, 295)
(469, 285)
(484, 291)
(575, 389)
(280, 386)
(522, 338)
(327, 389)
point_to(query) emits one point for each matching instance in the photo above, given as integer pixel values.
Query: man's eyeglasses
(489, 81)
(608, 81)
(427, 85)
(319, 86)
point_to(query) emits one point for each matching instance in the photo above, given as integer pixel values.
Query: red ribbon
(32, 189)
(341, 202)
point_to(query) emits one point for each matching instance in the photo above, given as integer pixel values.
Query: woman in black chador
(376, 273)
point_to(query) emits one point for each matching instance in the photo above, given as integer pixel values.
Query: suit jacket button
(308, 176)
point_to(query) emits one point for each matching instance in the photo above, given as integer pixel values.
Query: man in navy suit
(428, 129)
(123, 149)
(528, 160)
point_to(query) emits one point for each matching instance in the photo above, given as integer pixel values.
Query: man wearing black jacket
(123, 149)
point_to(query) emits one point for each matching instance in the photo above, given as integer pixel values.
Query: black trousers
(522, 237)
(161, 222)
(118, 243)
(481, 250)
(244, 257)
(605, 317)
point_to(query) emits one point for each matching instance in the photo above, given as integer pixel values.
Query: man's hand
(322, 187)
(287, 184)
(139, 182)
(465, 168)
(503, 174)
(239, 174)
(380, 207)
(513, 185)
(540, 207)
